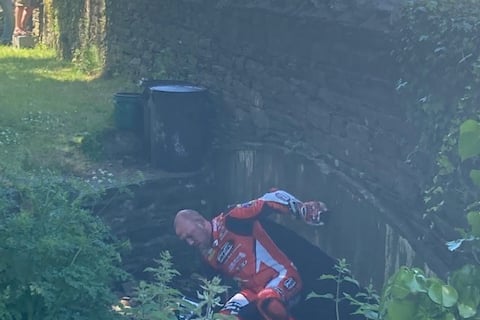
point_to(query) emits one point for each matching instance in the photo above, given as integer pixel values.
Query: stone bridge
(305, 99)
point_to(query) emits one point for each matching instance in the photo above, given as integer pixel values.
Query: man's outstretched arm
(283, 202)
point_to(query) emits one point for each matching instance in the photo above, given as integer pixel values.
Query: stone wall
(306, 102)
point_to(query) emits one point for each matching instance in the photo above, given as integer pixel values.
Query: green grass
(45, 103)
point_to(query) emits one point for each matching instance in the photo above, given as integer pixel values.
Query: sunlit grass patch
(45, 102)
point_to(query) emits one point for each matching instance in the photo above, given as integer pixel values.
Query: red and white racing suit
(242, 250)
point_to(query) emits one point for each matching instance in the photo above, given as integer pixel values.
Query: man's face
(195, 233)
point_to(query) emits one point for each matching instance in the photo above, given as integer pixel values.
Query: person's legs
(271, 305)
(18, 20)
(268, 304)
(242, 306)
(7, 8)
(233, 306)
(27, 14)
(23, 9)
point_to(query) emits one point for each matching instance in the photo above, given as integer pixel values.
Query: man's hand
(311, 211)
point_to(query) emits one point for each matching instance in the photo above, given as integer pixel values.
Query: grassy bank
(46, 105)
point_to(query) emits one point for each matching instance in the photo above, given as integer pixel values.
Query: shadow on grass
(27, 64)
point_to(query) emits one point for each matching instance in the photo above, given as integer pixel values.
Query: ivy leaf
(475, 176)
(466, 310)
(469, 140)
(443, 295)
(449, 316)
(473, 218)
(466, 280)
(407, 281)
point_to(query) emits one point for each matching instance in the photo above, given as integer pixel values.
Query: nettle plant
(366, 301)
(158, 300)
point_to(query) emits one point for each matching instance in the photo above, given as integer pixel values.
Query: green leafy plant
(468, 148)
(88, 59)
(366, 302)
(439, 61)
(409, 294)
(57, 260)
(210, 300)
(159, 300)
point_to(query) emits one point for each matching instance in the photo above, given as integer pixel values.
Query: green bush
(57, 260)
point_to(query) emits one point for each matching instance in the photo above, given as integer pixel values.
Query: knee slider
(271, 306)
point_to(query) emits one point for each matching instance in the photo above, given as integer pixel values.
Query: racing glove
(311, 212)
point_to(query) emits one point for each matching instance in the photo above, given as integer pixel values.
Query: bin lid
(177, 88)
(127, 94)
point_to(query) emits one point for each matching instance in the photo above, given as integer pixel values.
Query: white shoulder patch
(279, 196)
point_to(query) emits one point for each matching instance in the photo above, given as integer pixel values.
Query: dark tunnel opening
(312, 262)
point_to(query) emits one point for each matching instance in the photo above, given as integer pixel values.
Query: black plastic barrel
(147, 84)
(180, 127)
(128, 111)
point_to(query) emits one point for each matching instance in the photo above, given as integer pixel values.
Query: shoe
(19, 32)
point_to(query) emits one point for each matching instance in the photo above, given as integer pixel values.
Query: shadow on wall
(312, 263)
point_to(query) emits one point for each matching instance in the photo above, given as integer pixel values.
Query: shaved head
(192, 227)
(187, 214)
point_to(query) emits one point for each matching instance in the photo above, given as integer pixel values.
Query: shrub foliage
(57, 260)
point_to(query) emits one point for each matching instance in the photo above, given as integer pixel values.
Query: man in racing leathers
(235, 244)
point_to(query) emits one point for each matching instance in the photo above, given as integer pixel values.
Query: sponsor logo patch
(225, 252)
(289, 283)
(282, 196)
(234, 264)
